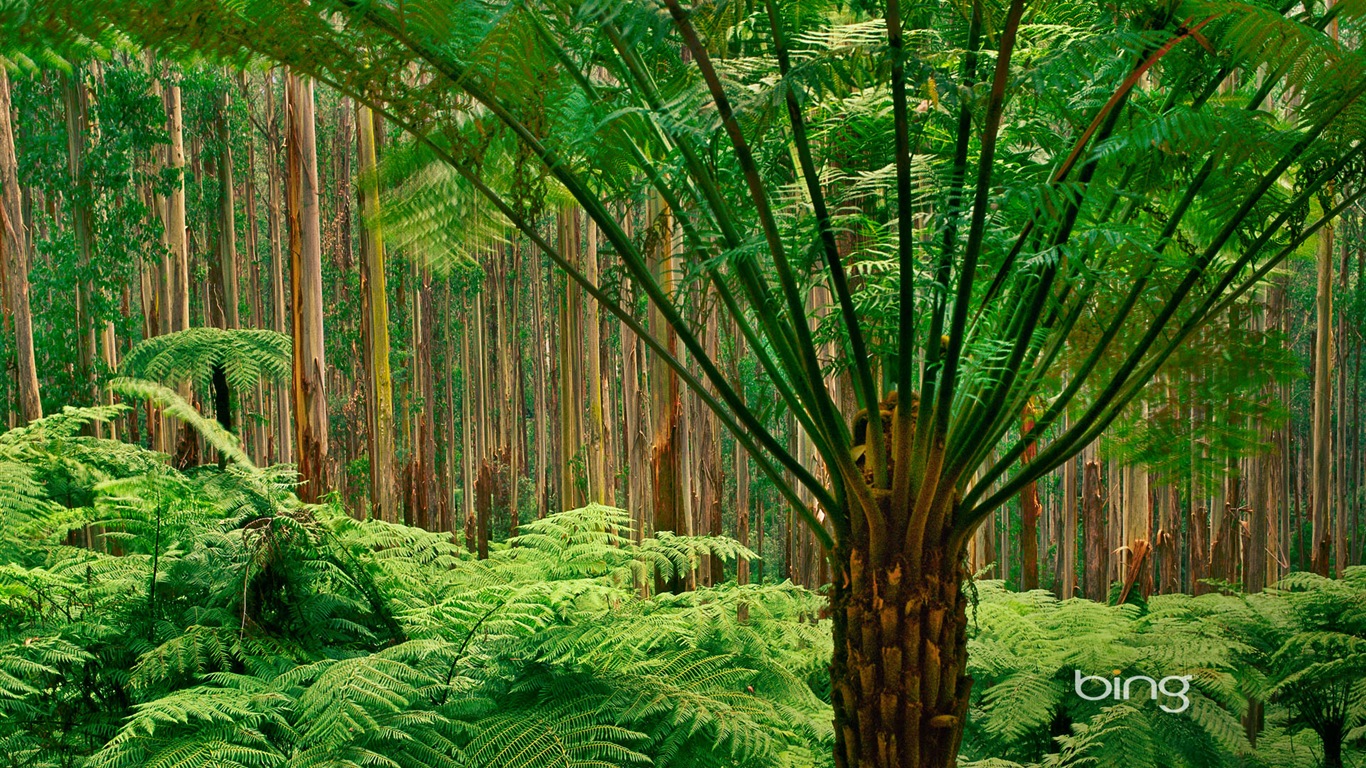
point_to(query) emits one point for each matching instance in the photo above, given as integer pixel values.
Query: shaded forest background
(440, 373)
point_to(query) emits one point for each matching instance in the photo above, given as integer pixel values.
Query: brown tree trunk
(1199, 553)
(1030, 512)
(225, 311)
(310, 400)
(77, 99)
(592, 343)
(571, 404)
(1067, 544)
(666, 491)
(282, 442)
(424, 437)
(483, 506)
(1322, 438)
(899, 683)
(1093, 521)
(14, 256)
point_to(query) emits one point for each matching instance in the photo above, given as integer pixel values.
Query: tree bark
(310, 399)
(375, 327)
(14, 251)
(571, 405)
(282, 443)
(1093, 520)
(592, 330)
(1321, 485)
(899, 682)
(664, 396)
(77, 98)
(1030, 512)
(225, 290)
(1067, 545)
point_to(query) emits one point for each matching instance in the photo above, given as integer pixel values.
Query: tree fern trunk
(899, 683)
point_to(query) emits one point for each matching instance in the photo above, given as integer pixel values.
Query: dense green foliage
(153, 617)
(216, 621)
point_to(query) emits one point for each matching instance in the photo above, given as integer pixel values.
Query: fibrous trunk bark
(899, 683)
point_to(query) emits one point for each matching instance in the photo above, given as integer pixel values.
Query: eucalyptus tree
(1014, 205)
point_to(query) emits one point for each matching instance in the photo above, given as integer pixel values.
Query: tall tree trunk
(375, 327)
(281, 433)
(1321, 486)
(225, 291)
(254, 299)
(571, 405)
(14, 254)
(1093, 520)
(742, 511)
(1067, 543)
(1030, 512)
(540, 367)
(1339, 487)
(310, 400)
(667, 506)
(467, 442)
(1199, 550)
(423, 466)
(77, 128)
(592, 329)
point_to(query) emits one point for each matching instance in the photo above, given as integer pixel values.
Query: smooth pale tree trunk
(1138, 518)
(14, 252)
(225, 289)
(254, 300)
(540, 354)
(741, 457)
(375, 328)
(1339, 489)
(179, 284)
(1322, 435)
(1067, 544)
(571, 404)
(310, 399)
(666, 488)
(77, 98)
(592, 342)
(281, 434)
(1030, 512)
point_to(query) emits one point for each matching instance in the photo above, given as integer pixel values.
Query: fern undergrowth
(164, 618)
